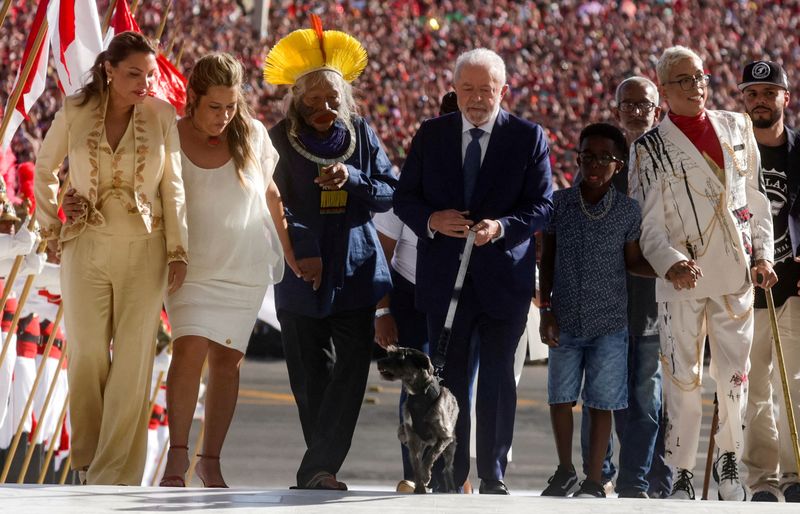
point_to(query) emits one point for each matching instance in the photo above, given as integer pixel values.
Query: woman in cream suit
(238, 233)
(128, 244)
(707, 232)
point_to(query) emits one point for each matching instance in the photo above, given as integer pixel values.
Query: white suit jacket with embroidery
(688, 213)
(157, 182)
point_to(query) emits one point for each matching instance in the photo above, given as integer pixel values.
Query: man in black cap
(765, 91)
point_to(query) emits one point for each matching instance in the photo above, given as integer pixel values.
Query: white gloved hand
(33, 264)
(24, 240)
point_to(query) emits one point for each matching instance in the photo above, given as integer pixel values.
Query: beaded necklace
(608, 200)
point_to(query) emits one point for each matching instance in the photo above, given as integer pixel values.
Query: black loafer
(493, 487)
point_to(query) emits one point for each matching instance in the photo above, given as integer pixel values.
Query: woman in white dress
(238, 234)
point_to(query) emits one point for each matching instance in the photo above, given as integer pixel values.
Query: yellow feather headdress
(307, 50)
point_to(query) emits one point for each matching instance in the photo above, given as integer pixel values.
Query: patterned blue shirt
(589, 292)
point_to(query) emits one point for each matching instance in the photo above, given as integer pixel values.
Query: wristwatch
(382, 312)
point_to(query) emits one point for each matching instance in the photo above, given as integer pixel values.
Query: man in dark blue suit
(488, 171)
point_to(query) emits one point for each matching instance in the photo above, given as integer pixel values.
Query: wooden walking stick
(161, 456)
(65, 471)
(107, 20)
(180, 54)
(710, 456)
(12, 276)
(160, 30)
(23, 78)
(170, 45)
(197, 448)
(50, 390)
(198, 444)
(155, 394)
(4, 11)
(787, 396)
(39, 373)
(59, 426)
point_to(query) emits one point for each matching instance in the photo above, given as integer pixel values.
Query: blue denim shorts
(604, 360)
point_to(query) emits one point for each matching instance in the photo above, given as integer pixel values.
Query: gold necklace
(743, 169)
(608, 200)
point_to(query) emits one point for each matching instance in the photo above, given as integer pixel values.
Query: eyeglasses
(588, 158)
(643, 107)
(688, 83)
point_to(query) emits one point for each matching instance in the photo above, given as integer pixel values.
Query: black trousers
(328, 361)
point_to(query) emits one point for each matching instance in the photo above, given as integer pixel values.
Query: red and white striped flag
(76, 42)
(73, 27)
(34, 85)
(170, 84)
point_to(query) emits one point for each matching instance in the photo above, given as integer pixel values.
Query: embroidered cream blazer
(688, 213)
(157, 184)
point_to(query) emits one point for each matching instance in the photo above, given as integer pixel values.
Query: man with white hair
(487, 171)
(707, 232)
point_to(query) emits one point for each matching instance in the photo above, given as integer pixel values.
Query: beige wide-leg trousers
(728, 322)
(113, 288)
(767, 436)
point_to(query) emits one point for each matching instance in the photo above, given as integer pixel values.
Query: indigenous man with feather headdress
(332, 174)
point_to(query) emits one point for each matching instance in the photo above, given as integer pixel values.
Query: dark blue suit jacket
(514, 186)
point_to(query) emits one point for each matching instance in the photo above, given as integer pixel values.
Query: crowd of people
(564, 58)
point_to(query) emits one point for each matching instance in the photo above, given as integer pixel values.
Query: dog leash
(444, 339)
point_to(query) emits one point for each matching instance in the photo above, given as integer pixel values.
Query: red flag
(170, 84)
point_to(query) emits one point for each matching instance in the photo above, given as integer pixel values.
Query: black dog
(429, 415)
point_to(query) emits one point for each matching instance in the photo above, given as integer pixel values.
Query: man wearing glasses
(707, 232)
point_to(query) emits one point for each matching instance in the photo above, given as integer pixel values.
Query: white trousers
(6, 372)
(767, 435)
(50, 419)
(728, 323)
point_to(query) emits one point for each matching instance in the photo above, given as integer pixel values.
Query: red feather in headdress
(316, 24)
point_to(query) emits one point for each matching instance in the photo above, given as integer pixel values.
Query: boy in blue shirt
(591, 241)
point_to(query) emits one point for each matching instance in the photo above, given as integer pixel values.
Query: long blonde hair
(121, 47)
(221, 69)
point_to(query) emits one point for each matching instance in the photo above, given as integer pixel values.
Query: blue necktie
(472, 163)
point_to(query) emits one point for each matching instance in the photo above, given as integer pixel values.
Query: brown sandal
(179, 480)
(326, 481)
(223, 485)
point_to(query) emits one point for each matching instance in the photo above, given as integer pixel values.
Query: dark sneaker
(726, 474)
(632, 493)
(791, 493)
(590, 489)
(764, 495)
(562, 482)
(682, 488)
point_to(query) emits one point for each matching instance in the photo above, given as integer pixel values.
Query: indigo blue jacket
(355, 273)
